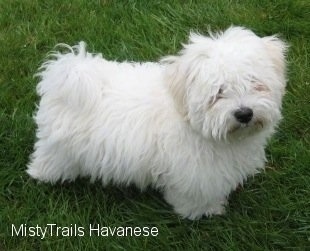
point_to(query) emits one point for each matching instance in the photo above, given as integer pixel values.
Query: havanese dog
(193, 125)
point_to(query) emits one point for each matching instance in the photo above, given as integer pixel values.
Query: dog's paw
(215, 210)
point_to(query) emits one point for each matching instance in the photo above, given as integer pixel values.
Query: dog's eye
(261, 88)
(219, 93)
(216, 97)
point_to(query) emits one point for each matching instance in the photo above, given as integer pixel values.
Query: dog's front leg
(195, 204)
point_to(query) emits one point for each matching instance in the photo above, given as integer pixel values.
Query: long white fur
(163, 124)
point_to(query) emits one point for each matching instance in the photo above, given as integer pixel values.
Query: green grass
(271, 212)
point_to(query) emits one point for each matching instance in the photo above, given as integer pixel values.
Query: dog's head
(229, 84)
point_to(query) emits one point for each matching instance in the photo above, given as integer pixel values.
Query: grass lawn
(272, 210)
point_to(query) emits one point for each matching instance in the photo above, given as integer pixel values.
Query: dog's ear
(175, 78)
(183, 69)
(277, 50)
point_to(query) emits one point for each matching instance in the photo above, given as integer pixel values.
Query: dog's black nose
(244, 114)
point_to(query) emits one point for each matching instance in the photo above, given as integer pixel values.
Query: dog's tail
(72, 77)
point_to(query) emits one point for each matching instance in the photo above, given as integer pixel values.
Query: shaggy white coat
(169, 124)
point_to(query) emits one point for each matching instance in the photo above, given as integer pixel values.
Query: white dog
(193, 125)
